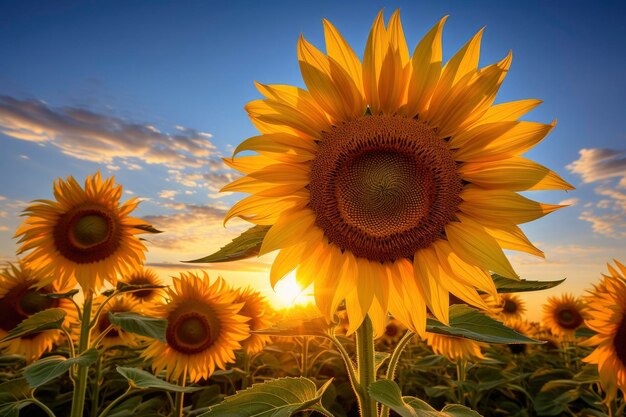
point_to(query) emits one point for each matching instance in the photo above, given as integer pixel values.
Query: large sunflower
(85, 234)
(260, 316)
(22, 295)
(393, 182)
(606, 309)
(563, 315)
(203, 331)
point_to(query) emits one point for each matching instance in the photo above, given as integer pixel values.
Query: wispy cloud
(607, 168)
(97, 137)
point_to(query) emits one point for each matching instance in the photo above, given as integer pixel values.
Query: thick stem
(180, 396)
(365, 356)
(460, 379)
(80, 387)
(305, 357)
(246, 369)
(393, 364)
(96, 388)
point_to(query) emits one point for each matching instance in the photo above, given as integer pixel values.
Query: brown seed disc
(391, 330)
(191, 330)
(569, 318)
(87, 234)
(619, 341)
(21, 302)
(509, 306)
(383, 187)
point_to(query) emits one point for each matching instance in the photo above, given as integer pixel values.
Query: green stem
(96, 388)
(246, 369)
(305, 357)
(116, 402)
(180, 396)
(365, 356)
(42, 406)
(80, 387)
(70, 341)
(460, 378)
(101, 307)
(393, 364)
(347, 362)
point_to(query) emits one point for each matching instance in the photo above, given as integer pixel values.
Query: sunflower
(522, 327)
(145, 297)
(394, 330)
(116, 336)
(204, 328)
(606, 309)
(510, 307)
(393, 182)
(563, 315)
(454, 348)
(85, 234)
(256, 308)
(22, 295)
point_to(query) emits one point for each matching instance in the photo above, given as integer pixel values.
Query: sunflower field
(391, 186)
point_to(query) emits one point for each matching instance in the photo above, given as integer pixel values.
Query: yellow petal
(277, 142)
(376, 50)
(378, 315)
(356, 314)
(428, 277)
(513, 238)
(502, 208)
(285, 262)
(277, 113)
(314, 262)
(366, 283)
(338, 49)
(513, 174)
(255, 207)
(397, 39)
(293, 226)
(425, 70)
(330, 85)
(331, 286)
(476, 247)
(509, 112)
(296, 98)
(248, 164)
(500, 141)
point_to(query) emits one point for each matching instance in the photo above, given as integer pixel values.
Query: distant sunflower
(606, 308)
(146, 297)
(563, 315)
(116, 336)
(511, 307)
(204, 328)
(256, 308)
(21, 295)
(394, 330)
(84, 235)
(522, 327)
(454, 348)
(393, 182)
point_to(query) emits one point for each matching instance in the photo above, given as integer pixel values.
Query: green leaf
(507, 285)
(555, 396)
(147, 228)
(280, 397)
(244, 246)
(388, 393)
(471, 324)
(14, 395)
(45, 370)
(38, 322)
(379, 359)
(69, 294)
(584, 332)
(123, 287)
(138, 378)
(142, 325)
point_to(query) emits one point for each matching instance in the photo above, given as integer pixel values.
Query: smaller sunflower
(85, 234)
(510, 307)
(22, 295)
(145, 297)
(454, 348)
(563, 315)
(394, 330)
(258, 311)
(606, 310)
(204, 328)
(116, 336)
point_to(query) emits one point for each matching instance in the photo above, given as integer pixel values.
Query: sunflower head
(454, 348)
(116, 336)
(510, 306)
(260, 315)
(563, 315)
(146, 297)
(84, 234)
(23, 292)
(204, 328)
(606, 315)
(380, 178)
(394, 330)
(520, 326)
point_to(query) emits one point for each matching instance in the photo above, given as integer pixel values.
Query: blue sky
(153, 92)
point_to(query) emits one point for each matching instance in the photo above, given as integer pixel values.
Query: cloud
(598, 164)
(569, 202)
(607, 168)
(168, 194)
(101, 138)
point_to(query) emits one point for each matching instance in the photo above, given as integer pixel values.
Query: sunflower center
(569, 319)
(146, 294)
(391, 330)
(619, 341)
(191, 332)
(21, 302)
(383, 187)
(87, 234)
(509, 306)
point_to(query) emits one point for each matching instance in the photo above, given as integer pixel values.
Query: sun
(288, 293)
